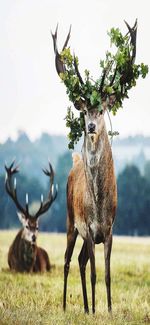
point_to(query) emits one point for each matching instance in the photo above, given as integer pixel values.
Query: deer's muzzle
(91, 127)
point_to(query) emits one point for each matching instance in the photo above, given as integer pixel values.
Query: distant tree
(133, 203)
(147, 171)
(139, 161)
(33, 155)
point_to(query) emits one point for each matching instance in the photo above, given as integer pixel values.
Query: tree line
(133, 200)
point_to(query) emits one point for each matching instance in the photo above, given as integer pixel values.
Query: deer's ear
(21, 217)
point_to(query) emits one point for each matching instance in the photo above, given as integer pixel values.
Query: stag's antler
(51, 195)
(12, 191)
(60, 67)
(127, 74)
(12, 188)
(133, 32)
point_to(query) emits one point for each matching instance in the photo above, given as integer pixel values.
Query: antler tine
(126, 75)
(49, 172)
(27, 203)
(55, 39)
(60, 67)
(44, 206)
(133, 33)
(54, 36)
(12, 191)
(80, 104)
(77, 71)
(102, 81)
(10, 169)
(113, 78)
(105, 72)
(131, 29)
(56, 192)
(67, 39)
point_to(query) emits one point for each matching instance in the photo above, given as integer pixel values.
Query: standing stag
(24, 255)
(91, 187)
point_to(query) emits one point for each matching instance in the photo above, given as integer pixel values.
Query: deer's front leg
(71, 239)
(91, 252)
(107, 254)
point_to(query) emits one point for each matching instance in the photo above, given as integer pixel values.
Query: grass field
(37, 299)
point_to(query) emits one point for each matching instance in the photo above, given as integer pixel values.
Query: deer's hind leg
(71, 239)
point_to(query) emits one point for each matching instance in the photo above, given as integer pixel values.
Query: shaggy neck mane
(96, 153)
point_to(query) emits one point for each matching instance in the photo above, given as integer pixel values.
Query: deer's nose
(91, 127)
(33, 238)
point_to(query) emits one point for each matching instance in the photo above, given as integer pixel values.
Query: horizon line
(19, 133)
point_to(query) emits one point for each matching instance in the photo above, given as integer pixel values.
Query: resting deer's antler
(12, 191)
(12, 188)
(51, 195)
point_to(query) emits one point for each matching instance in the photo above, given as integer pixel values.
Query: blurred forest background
(132, 164)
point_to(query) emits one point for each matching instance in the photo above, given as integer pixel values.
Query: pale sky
(32, 98)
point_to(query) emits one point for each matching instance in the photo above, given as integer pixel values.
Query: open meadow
(37, 299)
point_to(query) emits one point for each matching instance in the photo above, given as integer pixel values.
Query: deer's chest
(28, 255)
(96, 218)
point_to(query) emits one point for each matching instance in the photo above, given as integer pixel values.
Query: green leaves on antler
(70, 78)
(76, 125)
(124, 72)
(76, 88)
(118, 75)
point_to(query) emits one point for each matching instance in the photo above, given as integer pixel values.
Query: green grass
(37, 299)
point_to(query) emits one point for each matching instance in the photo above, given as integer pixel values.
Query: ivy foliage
(118, 74)
(76, 125)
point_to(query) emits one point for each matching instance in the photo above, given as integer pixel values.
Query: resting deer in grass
(24, 255)
(91, 187)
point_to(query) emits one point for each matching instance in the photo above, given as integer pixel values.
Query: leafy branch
(76, 125)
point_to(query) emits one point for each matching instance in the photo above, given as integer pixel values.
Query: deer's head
(30, 227)
(28, 220)
(93, 99)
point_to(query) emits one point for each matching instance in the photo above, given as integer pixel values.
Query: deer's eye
(37, 228)
(27, 227)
